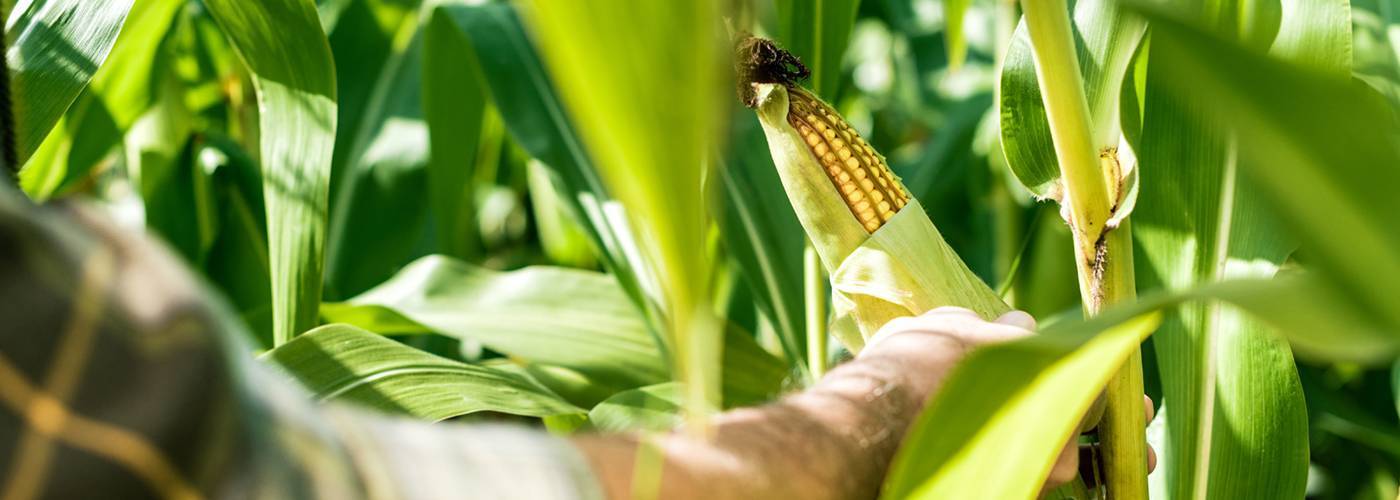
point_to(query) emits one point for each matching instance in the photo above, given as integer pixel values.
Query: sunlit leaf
(120, 91)
(55, 47)
(575, 319)
(287, 54)
(341, 362)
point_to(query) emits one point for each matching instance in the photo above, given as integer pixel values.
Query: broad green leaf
(341, 362)
(575, 319)
(1006, 410)
(817, 31)
(651, 408)
(284, 49)
(651, 133)
(55, 47)
(378, 215)
(120, 91)
(1106, 37)
(1317, 146)
(571, 318)
(455, 107)
(1237, 425)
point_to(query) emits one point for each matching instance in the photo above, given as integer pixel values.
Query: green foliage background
(380, 184)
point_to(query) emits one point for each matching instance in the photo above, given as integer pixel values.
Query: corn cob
(885, 257)
(872, 192)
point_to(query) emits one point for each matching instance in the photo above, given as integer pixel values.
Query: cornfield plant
(561, 211)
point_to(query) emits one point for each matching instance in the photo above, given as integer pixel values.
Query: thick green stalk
(1104, 256)
(814, 286)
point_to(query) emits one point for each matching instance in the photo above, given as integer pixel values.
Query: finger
(1019, 319)
(1151, 459)
(1148, 410)
(1066, 466)
(953, 311)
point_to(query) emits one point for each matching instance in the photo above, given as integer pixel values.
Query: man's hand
(834, 440)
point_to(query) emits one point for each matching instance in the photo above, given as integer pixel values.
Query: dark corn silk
(860, 175)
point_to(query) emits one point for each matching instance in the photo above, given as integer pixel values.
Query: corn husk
(904, 268)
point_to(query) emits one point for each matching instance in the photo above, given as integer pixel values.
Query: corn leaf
(954, 13)
(522, 90)
(817, 32)
(237, 260)
(652, 408)
(120, 91)
(377, 214)
(1314, 159)
(574, 319)
(1106, 38)
(763, 235)
(1237, 423)
(55, 49)
(1008, 409)
(455, 108)
(341, 362)
(282, 44)
(651, 135)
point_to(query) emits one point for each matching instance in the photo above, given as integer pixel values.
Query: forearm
(833, 441)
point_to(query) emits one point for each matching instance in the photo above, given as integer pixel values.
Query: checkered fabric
(121, 378)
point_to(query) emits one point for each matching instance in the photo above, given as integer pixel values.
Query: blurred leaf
(364, 35)
(1106, 37)
(1237, 425)
(763, 235)
(817, 31)
(654, 408)
(378, 216)
(56, 46)
(561, 237)
(237, 262)
(121, 90)
(651, 134)
(160, 162)
(287, 54)
(1007, 409)
(954, 13)
(454, 105)
(341, 362)
(522, 91)
(1320, 148)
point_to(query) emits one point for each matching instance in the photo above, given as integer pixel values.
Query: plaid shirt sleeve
(120, 378)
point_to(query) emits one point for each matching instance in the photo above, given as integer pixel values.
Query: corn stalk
(1103, 249)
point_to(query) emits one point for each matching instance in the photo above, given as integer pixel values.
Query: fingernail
(1019, 319)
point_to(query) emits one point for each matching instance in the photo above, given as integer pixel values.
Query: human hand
(926, 347)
